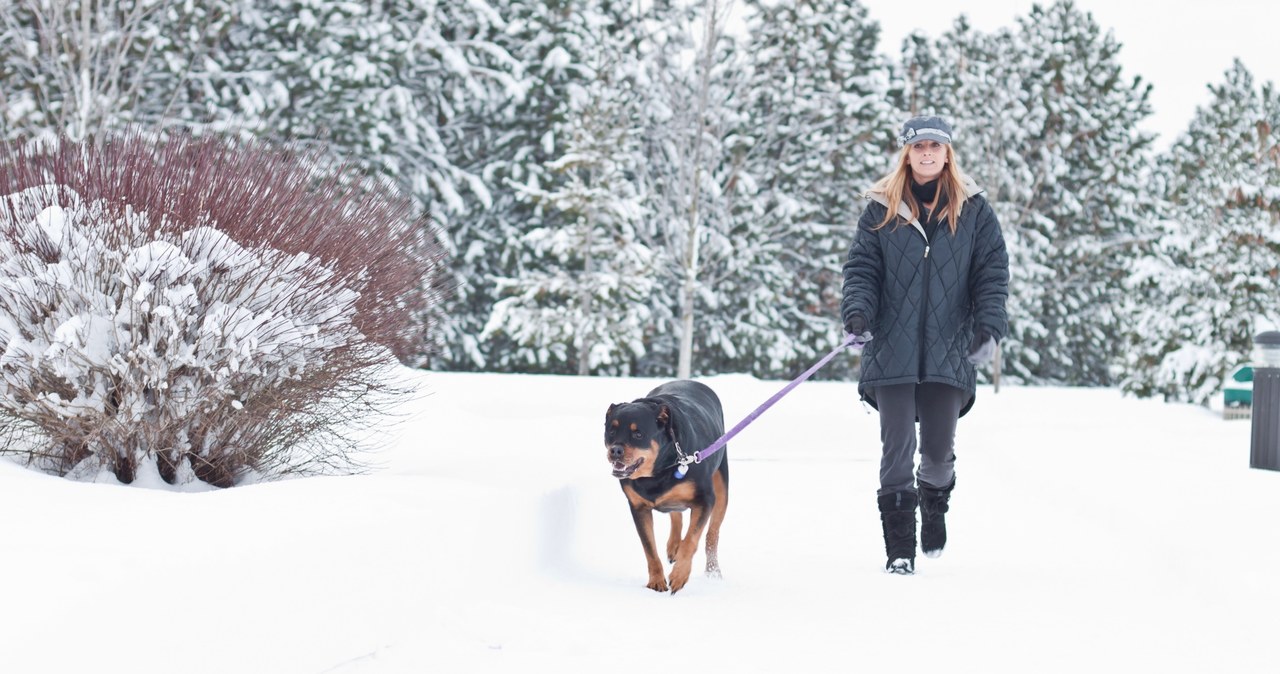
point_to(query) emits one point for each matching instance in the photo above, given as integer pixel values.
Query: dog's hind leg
(720, 486)
(677, 531)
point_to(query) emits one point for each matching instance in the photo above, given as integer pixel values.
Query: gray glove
(982, 348)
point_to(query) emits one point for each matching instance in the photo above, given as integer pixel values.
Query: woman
(927, 278)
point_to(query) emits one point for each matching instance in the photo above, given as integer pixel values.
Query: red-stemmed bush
(199, 309)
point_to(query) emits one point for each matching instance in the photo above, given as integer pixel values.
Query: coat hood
(970, 189)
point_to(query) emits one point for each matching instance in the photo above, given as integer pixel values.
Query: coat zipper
(925, 303)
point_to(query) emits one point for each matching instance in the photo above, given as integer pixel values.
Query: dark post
(1264, 451)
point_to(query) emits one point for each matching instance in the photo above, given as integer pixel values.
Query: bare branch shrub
(199, 308)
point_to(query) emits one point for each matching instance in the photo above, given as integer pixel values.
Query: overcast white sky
(1179, 47)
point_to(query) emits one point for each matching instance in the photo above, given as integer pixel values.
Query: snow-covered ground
(1089, 532)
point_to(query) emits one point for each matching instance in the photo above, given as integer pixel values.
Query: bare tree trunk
(84, 85)
(995, 369)
(693, 224)
(584, 295)
(688, 288)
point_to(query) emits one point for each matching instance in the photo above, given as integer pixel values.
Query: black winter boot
(898, 517)
(933, 521)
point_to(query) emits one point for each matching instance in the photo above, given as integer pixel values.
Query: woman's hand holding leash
(857, 332)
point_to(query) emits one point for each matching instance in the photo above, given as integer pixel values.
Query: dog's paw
(714, 572)
(657, 585)
(679, 576)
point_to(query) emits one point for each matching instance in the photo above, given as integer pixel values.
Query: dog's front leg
(688, 546)
(644, 526)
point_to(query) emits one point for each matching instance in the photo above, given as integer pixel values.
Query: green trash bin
(1264, 450)
(1237, 393)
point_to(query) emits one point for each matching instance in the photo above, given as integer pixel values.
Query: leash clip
(685, 459)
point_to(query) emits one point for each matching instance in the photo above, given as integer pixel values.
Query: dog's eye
(637, 434)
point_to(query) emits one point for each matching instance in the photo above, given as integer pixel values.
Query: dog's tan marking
(679, 498)
(630, 453)
(650, 455)
(635, 499)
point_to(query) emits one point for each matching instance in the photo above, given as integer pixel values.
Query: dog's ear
(664, 416)
(609, 414)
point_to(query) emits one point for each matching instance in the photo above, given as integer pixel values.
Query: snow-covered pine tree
(1088, 197)
(581, 302)
(1202, 291)
(557, 44)
(388, 84)
(820, 126)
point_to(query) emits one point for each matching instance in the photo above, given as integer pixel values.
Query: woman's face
(926, 159)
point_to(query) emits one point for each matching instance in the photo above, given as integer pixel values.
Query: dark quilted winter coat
(923, 299)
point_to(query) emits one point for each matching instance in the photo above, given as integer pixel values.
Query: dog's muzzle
(622, 470)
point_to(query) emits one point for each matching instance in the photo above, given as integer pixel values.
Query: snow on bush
(195, 310)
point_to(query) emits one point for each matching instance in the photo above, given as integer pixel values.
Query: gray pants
(937, 406)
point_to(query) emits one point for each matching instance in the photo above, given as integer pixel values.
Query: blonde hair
(896, 187)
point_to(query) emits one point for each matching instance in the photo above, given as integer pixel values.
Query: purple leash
(686, 459)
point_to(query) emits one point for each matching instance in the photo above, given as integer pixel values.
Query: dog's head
(634, 434)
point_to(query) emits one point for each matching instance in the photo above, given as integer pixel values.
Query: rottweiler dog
(643, 440)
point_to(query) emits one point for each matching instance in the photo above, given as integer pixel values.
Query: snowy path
(1088, 531)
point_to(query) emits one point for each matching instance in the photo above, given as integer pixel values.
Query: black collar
(925, 193)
